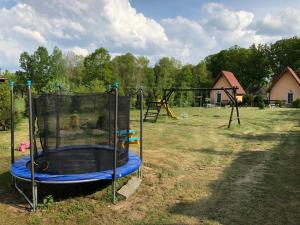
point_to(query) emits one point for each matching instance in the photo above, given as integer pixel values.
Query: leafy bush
(5, 108)
(246, 100)
(92, 86)
(296, 103)
(259, 101)
(54, 86)
(75, 122)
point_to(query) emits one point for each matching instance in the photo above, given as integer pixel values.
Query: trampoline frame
(33, 200)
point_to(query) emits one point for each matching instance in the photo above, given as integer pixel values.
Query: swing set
(154, 107)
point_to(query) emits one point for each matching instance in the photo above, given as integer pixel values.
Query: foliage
(48, 201)
(259, 101)
(92, 86)
(98, 65)
(284, 53)
(75, 122)
(254, 67)
(5, 120)
(35, 67)
(54, 86)
(75, 71)
(296, 103)
(251, 66)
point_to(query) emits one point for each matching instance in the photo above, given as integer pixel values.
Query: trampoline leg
(114, 191)
(24, 195)
(34, 197)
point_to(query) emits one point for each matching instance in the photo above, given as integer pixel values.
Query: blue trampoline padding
(20, 170)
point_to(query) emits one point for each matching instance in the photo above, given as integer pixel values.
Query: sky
(187, 30)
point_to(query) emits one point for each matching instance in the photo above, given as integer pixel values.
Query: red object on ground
(23, 146)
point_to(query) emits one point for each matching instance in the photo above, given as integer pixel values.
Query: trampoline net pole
(141, 131)
(115, 143)
(12, 128)
(33, 183)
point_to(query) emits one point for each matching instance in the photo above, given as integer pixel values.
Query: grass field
(196, 171)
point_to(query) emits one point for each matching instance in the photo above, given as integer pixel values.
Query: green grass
(197, 171)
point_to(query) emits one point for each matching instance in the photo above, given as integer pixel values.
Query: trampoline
(75, 138)
(21, 168)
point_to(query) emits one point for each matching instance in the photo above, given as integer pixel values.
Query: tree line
(254, 67)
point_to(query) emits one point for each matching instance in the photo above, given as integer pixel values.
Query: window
(290, 97)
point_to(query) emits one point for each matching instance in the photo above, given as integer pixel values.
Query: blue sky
(188, 30)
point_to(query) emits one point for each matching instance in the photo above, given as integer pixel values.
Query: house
(3, 79)
(285, 87)
(225, 79)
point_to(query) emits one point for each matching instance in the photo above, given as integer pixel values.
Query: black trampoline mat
(78, 159)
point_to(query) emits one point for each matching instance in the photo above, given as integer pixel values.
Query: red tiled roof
(231, 80)
(277, 78)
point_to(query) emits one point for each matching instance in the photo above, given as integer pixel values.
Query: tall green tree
(35, 67)
(165, 72)
(98, 66)
(285, 53)
(258, 69)
(57, 65)
(201, 76)
(75, 71)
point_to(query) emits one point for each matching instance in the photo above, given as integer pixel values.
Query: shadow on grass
(259, 187)
(210, 151)
(59, 192)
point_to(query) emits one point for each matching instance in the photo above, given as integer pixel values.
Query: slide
(169, 111)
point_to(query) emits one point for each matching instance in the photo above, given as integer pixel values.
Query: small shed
(225, 79)
(285, 87)
(3, 79)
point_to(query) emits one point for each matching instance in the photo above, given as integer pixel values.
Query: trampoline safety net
(76, 132)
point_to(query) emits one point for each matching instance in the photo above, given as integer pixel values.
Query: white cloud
(80, 51)
(231, 27)
(82, 26)
(79, 26)
(218, 17)
(189, 42)
(285, 23)
(32, 34)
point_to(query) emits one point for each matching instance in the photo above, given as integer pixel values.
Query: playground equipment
(154, 107)
(78, 135)
(131, 137)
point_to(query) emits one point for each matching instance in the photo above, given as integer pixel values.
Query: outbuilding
(285, 87)
(225, 79)
(3, 79)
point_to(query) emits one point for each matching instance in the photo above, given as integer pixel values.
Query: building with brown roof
(225, 79)
(285, 87)
(3, 79)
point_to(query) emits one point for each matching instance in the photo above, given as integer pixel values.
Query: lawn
(196, 171)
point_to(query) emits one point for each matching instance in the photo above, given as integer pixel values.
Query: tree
(165, 72)
(126, 69)
(75, 71)
(250, 66)
(285, 53)
(35, 67)
(98, 66)
(57, 65)
(258, 69)
(5, 120)
(201, 76)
